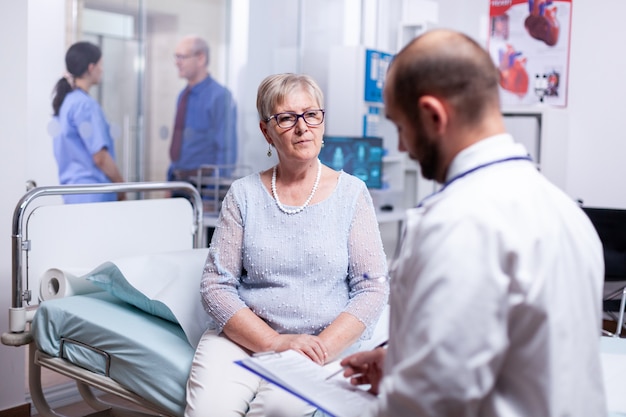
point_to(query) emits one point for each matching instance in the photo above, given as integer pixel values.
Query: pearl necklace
(308, 200)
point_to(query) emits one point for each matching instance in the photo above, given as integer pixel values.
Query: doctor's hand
(365, 368)
(310, 346)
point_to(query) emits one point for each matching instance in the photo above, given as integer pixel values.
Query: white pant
(217, 387)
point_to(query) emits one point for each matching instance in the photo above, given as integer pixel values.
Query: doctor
(496, 293)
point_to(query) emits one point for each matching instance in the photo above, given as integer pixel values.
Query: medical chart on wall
(529, 40)
(376, 64)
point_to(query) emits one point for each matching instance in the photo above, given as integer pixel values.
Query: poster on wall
(376, 64)
(529, 41)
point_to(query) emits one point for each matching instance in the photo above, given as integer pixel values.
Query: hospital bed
(103, 342)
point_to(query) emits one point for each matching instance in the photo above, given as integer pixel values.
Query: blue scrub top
(83, 131)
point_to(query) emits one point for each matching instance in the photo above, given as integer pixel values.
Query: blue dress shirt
(210, 135)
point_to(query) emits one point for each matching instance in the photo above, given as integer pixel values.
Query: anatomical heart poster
(529, 40)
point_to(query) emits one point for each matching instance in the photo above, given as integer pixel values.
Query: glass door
(140, 83)
(119, 96)
(116, 27)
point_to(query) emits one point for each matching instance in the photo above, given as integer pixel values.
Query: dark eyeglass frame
(297, 116)
(181, 57)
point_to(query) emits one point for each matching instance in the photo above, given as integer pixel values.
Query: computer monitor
(356, 155)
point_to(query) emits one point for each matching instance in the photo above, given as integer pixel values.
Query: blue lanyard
(476, 168)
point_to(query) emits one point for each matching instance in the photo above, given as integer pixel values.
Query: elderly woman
(294, 263)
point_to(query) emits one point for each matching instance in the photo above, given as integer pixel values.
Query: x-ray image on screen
(359, 156)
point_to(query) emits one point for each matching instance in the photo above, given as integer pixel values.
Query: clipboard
(308, 381)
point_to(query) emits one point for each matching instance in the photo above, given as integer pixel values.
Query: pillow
(164, 284)
(108, 277)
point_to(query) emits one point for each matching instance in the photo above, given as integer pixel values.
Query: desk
(613, 360)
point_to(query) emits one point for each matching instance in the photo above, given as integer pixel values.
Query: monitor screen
(359, 156)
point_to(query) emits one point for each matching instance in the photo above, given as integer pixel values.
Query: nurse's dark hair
(448, 65)
(77, 60)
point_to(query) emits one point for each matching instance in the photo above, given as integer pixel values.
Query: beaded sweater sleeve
(368, 277)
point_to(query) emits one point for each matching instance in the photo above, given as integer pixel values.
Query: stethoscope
(452, 180)
(470, 171)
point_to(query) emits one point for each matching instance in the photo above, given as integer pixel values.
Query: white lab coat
(495, 298)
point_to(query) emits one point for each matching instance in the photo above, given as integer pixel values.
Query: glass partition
(140, 83)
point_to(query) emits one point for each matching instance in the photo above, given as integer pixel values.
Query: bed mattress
(148, 355)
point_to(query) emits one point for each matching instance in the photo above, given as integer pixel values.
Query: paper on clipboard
(307, 380)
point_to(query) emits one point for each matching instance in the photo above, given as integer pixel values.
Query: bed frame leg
(34, 384)
(89, 397)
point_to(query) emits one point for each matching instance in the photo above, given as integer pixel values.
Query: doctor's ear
(433, 113)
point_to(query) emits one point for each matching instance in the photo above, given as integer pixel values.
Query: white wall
(31, 60)
(597, 104)
(467, 16)
(45, 64)
(13, 121)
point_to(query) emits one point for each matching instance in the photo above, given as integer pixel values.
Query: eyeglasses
(289, 119)
(180, 57)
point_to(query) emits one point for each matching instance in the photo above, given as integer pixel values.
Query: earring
(322, 143)
(269, 150)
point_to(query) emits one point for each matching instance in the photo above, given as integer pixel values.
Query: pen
(383, 344)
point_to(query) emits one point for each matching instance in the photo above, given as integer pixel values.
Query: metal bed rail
(18, 315)
(213, 182)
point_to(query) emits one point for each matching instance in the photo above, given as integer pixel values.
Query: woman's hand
(252, 333)
(365, 368)
(310, 346)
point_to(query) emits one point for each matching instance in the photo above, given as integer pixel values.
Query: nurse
(83, 146)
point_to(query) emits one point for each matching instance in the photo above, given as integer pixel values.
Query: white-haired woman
(290, 263)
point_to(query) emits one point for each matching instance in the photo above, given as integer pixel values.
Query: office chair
(611, 227)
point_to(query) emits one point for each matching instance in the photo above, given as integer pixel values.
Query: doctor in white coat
(496, 292)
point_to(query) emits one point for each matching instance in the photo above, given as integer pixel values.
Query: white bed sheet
(149, 355)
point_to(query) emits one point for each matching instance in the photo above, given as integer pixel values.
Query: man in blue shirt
(206, 125)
